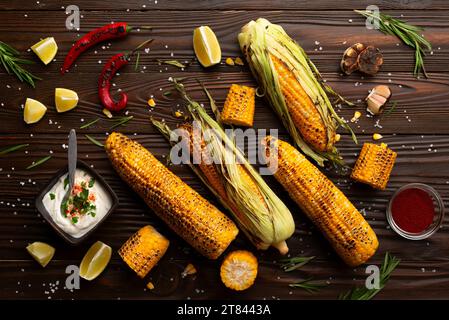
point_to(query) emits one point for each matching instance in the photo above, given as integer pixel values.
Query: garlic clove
(377, 99)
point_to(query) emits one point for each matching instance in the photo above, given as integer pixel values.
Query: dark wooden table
(418, 130)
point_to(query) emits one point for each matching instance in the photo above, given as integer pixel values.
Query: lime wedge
(65, 99)
(206, 46)
(95, 260)
(45, 49)
(41, 252)
(34, 111)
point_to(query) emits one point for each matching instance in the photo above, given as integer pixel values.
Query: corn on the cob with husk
(261, 215)
(374, 165)
(293, 87)
(186, 212)
(239, 270)
(143, 250)
(239, 106)
(327, 207)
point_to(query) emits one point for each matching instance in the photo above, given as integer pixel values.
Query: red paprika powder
(413, 210)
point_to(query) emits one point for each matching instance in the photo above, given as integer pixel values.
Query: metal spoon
(72, 158)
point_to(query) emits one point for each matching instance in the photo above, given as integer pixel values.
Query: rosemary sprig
(137, 61)
(294, 263)
(393, 107)
(87, 125)
(120, 121)
(13, 148)
(38, 162)
(10, 60)
(362, 293)
(407, 33)
(94, 141)
(306, 284)
(174, 63)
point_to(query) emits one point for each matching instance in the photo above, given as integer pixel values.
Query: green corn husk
(258, 40)
(265, 224)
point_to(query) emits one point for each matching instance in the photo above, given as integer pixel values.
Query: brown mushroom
(366, 59)
(377, 99)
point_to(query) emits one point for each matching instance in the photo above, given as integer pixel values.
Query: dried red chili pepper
(110, 31)
(104, 83)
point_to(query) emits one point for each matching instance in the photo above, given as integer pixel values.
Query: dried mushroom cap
(370, 60)
(349, 62)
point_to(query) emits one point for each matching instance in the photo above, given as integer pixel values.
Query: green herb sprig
(38, 162)
(294, 263)
(174, 63)
(362, 293)
(407, 33)
(10, 60)
(87, 125)
(94, 141)
(308, 285)
(120, 121)
(13, 148)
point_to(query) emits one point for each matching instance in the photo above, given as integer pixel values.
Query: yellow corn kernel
(230, 62)
(188, 271)
(239, 106)
(377, 136)
(238, 61)
(150, 285)
(107, 113)
(151, 103)
(374, 165)
(178, 114)
(356, 116)
(337, 137)
(239, 270)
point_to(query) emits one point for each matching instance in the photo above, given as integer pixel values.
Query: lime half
(41, 252)
(95, 260)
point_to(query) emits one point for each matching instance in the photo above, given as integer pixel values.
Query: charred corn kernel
(356, 116)
(187, 213)
(107, 113)
(151, 103)
(178, 114)
(374, 165)
(230, 62)
(238, 61)
(150, 285)
(377, 136)
(143, 250)
(327, 207)
(337, 137)
(189, 270)
(239, 270)
(239, 106)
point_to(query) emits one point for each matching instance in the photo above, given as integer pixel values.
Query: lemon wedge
(34, 111)
(206, 46)
(65, 99)
(41, 252)
(95, 260)
(45, 49)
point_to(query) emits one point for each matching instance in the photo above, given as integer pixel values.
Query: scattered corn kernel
(107, 113)
(189, 270)
(377, 136)
(150, 285)
(178, 114)
(238, 61)
(356, 116)
(337, 137)
(230, 62)
(151, 103)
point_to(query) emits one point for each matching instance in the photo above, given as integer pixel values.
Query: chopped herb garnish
(52, 196)
(84, 126)
(80, 203)
(75, 219)
(13, 148)
(174, 63)
(66, 182)
(94, 141)
(91, 182)
(120, 121)
(307, 285)
(38, 162)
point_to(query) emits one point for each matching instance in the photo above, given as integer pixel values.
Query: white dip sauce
(52, 202)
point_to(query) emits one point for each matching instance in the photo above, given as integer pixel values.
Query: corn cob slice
(327, 207)
(239, 270)
(294, 89)
(191, 216)
(374, 165)
(239, 106)
(143, 250)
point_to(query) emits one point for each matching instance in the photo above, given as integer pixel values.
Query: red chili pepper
(104, 83)
(110, 31)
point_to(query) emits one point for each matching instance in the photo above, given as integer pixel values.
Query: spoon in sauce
(72, 158)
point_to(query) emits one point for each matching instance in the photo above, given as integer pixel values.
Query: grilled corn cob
(239, 106)
(327, 207)
(239, 270)
(293, 86)
(374, 165)
(261, 215)
(143, 250)
(191, 216)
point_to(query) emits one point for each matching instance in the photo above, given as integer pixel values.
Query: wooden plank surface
(417, 130)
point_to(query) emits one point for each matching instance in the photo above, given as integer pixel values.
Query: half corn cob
(143, 250)
(293, 87)
(191, 216)
(261, 215)
(374, 165)
(239, 270)
(239, 106)
(327, 207)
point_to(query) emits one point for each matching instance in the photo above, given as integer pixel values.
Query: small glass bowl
(437, 219)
